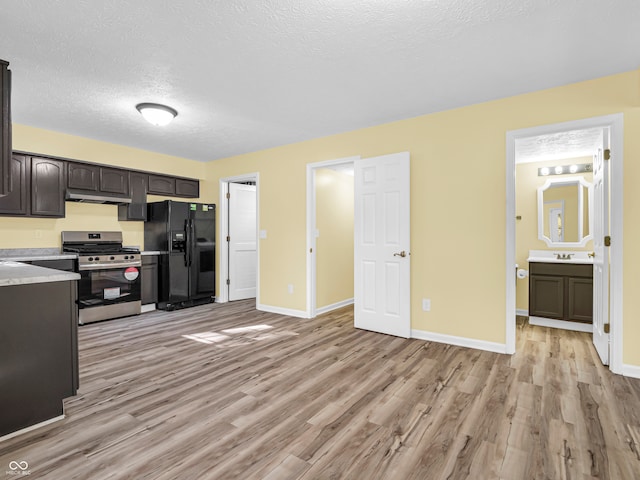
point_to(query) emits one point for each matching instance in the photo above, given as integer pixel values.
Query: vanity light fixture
(563, 170)
(156, 114)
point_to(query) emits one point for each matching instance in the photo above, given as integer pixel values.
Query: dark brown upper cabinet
(37, 188)
(114, 180)
(5, 128)
(174, 186)
(94, 178)
(39, 185)
(137, 209)
(187, 188)
(47, 187)
(83, 176)
(161, 185)
(16, 202)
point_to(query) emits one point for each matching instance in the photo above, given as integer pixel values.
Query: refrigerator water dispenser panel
(178, 241)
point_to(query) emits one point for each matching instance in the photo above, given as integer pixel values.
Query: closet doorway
(238, 240)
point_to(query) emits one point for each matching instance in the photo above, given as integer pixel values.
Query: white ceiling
(248, 75)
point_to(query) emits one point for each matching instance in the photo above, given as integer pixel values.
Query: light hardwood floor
(226, 392)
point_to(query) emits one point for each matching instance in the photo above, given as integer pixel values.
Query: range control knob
(112, 258)
(91, 259)
(97, 258)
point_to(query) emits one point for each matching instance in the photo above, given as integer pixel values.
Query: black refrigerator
(185, 233)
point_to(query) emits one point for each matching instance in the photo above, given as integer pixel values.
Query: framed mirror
(564, 212)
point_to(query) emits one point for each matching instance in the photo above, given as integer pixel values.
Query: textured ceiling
(555, 146)
(245, 75)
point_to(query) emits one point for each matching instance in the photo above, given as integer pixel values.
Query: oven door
(108, 293)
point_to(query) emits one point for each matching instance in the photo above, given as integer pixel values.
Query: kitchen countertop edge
(16, 273)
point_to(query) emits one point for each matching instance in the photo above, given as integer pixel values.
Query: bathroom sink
(559, 256)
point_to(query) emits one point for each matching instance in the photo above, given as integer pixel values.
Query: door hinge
(607, 241)
(606, 327)
(607, 154)
(228, 238)
(228, 282)
(228, 195)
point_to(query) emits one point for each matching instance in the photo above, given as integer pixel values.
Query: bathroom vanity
(561, 290)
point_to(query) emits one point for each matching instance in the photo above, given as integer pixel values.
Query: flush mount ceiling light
(156, 114)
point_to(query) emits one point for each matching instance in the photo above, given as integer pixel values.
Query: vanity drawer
(562, 269)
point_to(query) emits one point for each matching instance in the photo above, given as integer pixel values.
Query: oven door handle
(109, 266)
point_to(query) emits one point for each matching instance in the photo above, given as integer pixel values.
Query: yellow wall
(458, 191)
(527, 183)
(16, 232)
(334, 246)
(457, 200)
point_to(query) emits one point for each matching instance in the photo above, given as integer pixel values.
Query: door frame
(223, 269)
(311, 227)
(615, 123)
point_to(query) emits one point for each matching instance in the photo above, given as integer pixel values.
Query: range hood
(88, 197)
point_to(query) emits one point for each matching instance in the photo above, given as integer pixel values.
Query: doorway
(342, 166)
(240, 253)
(613, 125)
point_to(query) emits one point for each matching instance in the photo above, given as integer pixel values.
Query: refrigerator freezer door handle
(187, 241)
(192, 239)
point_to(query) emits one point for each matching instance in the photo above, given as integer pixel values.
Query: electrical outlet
(426, 304)
(290, 288)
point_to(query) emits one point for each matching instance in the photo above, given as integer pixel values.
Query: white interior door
(556, 224)
(601, 252)
(382, 261)
(242, 241)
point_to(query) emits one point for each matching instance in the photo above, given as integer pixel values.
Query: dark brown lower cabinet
(563, 291)
(39, 349)
(149, 284)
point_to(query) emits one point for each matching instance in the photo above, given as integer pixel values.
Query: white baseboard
(334, 306)
(630, 370)
(460, 341)
(282, 311)
(148, 308)
(553, 323)
(32, 427)
(522, 312)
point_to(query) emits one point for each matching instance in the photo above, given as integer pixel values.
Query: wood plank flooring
(227, 392)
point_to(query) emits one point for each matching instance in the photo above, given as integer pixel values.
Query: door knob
(401, 254)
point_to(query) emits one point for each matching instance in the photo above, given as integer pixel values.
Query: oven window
(106, 287)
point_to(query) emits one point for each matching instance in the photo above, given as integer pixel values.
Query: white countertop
(16, 273)
(33, 254)
(30, 258)
(551, 256)
(152, 252)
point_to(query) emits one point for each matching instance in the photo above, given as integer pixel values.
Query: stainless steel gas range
(109, 285)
